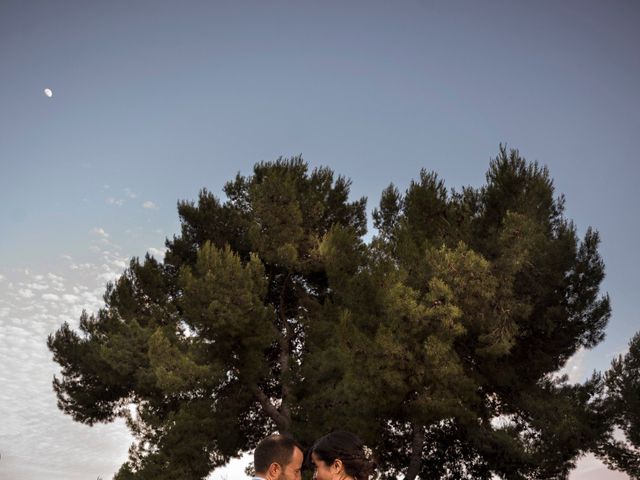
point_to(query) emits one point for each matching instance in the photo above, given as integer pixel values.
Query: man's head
(278, 457)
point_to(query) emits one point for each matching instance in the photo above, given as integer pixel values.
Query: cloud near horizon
(37, 439)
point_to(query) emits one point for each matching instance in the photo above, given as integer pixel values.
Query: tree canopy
(437, 340)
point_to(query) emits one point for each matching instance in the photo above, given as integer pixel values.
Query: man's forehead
(298, 455)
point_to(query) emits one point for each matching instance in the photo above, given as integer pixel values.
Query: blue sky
(153, 100)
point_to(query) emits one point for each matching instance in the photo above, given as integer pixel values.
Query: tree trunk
(284, 342)
(417, 445)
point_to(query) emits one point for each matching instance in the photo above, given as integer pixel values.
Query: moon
(48, 92)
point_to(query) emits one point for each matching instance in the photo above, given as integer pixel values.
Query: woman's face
(321, 470)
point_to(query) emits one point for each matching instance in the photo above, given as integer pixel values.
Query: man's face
(293, 469)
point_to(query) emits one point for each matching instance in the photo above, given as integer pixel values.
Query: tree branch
(281, 422)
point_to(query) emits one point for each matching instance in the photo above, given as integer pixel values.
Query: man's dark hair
(274, 449)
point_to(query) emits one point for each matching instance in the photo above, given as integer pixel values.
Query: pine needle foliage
(436, 341)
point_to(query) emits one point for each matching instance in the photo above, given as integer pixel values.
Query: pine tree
(620, 410)
(451, 334)
(437, 341)
(208, 345)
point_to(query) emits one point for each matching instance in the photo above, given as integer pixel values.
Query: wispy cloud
(69, 298)
(119, 200)
(149, 205)
(25, 293)
(130, 194)
(115, 201)
(157, 252)
(100, 232)
(37, 439)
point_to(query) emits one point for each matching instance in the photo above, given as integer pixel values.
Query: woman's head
(341, 453)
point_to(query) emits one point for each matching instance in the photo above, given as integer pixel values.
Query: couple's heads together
(336, 456)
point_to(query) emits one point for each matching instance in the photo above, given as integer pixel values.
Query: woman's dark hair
(347, 448)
